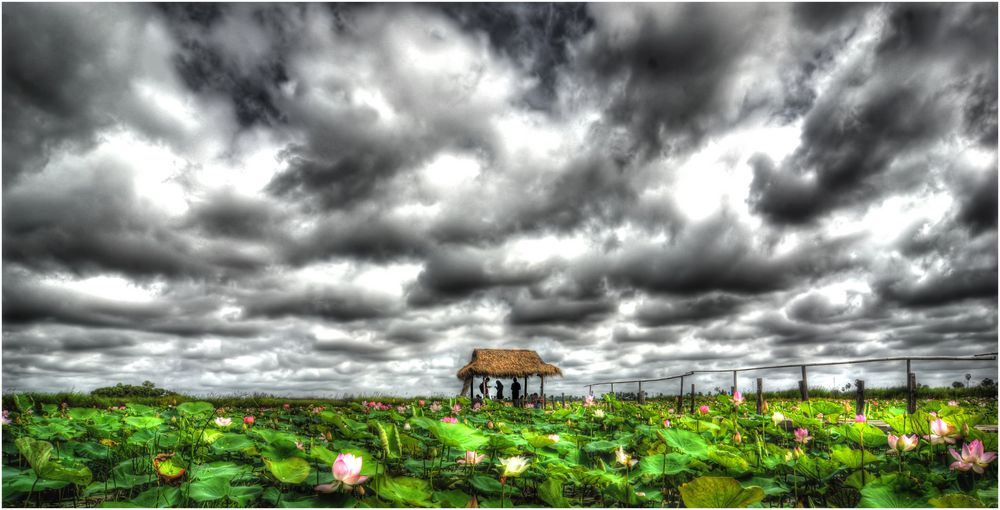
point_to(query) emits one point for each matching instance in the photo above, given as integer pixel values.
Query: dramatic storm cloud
(347, 199)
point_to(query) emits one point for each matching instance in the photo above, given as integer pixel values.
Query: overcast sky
(319, 200)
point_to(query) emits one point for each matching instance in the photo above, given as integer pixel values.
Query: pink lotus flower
(942, 432)
(860, 418)
(449, 419)
(248, 420)
(666, 423)
(738, 398)
(4, 417)
(400, 409)
(703, 410)
(802, 436)
(477, 406)
(471, 458)
(318, 409)
(973, 457)
(435, 407)
(346, 471)
(554, 438)
(457, 408)
(902, 443)
(286, 406)
(221, 410)
(588, 401)
(223, 422)
(953, 403)
(300, 446)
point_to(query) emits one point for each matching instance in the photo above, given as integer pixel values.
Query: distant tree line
(148, 389)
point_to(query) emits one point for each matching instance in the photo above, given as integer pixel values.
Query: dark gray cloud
(882, 108)
(278, 198)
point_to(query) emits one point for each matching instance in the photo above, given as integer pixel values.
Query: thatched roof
(507, 363)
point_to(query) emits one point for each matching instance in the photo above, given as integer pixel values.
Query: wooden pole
(735, 385)
(542, 389)
(680, 398)
(911, 393)
(804, 384)
(859, 406)
(639, 395)
(564, 401)
(472, 388)
(524, 391)
(760, 395)
(692, 398)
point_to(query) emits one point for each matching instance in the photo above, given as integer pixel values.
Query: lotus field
(417, 453)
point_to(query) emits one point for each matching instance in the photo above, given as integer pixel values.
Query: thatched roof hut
(506, 363)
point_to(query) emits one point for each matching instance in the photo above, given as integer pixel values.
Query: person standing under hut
(515, 390)
(485, 388)
(499, 390)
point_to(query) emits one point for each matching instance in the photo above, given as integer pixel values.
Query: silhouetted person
(515, 390)
(485, 387)
(499, 390)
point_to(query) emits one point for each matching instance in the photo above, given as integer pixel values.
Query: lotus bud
(361, 490)
(489, 424)
(737, 438)
(173, 419)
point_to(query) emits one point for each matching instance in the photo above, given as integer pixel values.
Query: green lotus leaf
(686, 442)
(719, 492)
(143, 422)
(37, 452)
(956, 500)
(551, 492)
(210, 489)
(880, 495)
(83, 413)
(850, 457)
(404, 490)
(726, 457)
(288, 470)
(161, 496)
(66, 471)
(660, 464)
(192, 409)
(230, 442)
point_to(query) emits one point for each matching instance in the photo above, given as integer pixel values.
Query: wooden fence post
(692, 398)
(760, 395)
(680, 398)
(564, 401)
(639, 396)
(804, 385)
(735, 385)
(859, 406)
(911, 393)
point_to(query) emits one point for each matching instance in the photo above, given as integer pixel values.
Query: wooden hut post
(542, 389)
(524, 391)
(472, 388)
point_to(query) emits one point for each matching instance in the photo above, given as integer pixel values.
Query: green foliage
(719, 492)
(120, 390)
(106, 455)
